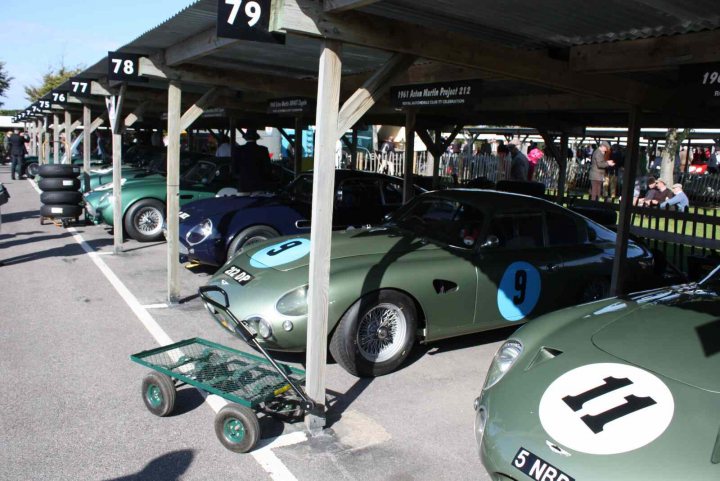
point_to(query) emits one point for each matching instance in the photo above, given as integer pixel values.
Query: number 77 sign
(246, 20)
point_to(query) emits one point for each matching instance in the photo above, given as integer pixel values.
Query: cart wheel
(237, 428)
(158, 392)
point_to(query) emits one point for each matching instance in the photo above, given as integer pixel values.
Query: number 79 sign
(246, 20)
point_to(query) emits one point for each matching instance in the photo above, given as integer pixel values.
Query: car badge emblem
(556, 449)
(224, 282)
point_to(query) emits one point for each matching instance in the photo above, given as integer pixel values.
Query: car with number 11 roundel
(448, 263)
(624, 388)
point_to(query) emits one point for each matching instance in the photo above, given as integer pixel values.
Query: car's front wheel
(144, 220)
(250, 236)
(376, 334)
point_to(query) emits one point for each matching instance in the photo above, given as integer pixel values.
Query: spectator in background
(683, 160)
(519, 164)
(612, 172)
(224, 149)
(251, 166)
(388, 146)
(651, 193)
(662, 195)
(534, 156)
(598, 165)
(17, 153)
(679, 199)
(503, 153)
(713, 162)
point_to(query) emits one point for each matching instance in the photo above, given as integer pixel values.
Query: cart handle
(239, 327)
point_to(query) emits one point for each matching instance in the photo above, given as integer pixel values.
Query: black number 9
(520, 286)
(284, 247)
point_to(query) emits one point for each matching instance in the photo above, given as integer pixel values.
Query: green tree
(4, 80)
(674, 138)
(53, 78)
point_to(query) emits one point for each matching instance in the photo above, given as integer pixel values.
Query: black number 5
(520, 286)
(284, 247)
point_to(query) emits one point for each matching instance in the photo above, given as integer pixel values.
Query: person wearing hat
(662, 194)
(251, 166)
(679, 199)
(598, 165)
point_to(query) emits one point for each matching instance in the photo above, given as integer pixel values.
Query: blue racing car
(213, 230)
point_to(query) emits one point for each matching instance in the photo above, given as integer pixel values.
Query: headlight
(200, 232)
(109, 185)
(294, 303)
(263, 327)
(502, 362)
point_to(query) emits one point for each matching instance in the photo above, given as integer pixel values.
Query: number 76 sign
(246, 20)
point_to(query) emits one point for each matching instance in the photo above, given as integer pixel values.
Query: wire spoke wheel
(381, 332)
(149, 221)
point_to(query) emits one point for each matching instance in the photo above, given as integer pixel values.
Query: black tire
(54, 185)
(158, 393)
(31, 170)
(237, 428)
(61, 210)
(58, 171)
(144, 220)
(249, 236)
(596, 289)
(357, 335)
(73, 198)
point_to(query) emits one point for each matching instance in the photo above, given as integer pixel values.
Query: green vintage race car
(621, 389)
(449, 263)
(144, 197)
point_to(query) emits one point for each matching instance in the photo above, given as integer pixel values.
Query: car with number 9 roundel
(448, 263)
(624, 388)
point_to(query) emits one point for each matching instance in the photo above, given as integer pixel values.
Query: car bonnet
(675, 333)
(289, 253)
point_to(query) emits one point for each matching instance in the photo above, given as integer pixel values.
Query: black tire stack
(61, 198)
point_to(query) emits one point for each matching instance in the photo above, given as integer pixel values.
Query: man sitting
(651, 193)
(679, 199)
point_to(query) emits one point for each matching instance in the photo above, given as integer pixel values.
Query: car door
(518, 273)
(357, 203)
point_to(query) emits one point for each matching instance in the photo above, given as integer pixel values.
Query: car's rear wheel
(376, 334)
(144, 220)
(250, 236)
(596, 289)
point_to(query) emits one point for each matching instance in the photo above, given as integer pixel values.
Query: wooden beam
(115, 106)
(375, 87)
(135, 115)
(173, 191)
(56, 138)
(68, 137)
(306, 17)
(198, 108)
(408, 190)
(659, 53)
(87, 147)
(328, 95)
(197, 46)
(333, 6)
(298, 146)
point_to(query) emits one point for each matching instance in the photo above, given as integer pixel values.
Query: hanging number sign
(246, 20)
(80, 87)
(58, 97)
(124, 67)
(44, 104)
(704, 78)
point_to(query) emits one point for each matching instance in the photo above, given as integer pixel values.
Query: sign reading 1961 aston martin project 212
(464, 93)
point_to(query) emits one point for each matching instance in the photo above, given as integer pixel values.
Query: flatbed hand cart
(251, 383)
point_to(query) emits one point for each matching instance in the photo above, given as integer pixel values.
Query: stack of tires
(61, 198)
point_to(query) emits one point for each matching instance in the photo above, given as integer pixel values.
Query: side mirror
(490, 241)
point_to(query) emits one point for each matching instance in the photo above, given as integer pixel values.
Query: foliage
(53, 78)
(5, 80)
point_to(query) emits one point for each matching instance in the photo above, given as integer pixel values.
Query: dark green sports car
(449, 263)
(621, 389)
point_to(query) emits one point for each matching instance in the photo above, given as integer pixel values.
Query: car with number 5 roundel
(624, 389)
(448, 263)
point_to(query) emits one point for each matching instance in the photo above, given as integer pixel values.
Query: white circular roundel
(606, 408)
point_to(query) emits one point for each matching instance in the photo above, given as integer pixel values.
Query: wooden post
(32, 130)
(408, 191)
(353, 148)
(436, 153)
(46, 142)
(297, 145)
(617, 284)
(115, 104)
(562, 174)
(233, 136)
(56, 139)
(68, 137)
(328, 103)
(87, 141)
(173, 191)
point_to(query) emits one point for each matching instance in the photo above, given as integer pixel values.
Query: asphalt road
(71, 404)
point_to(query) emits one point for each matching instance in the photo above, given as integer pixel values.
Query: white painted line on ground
(37, 189)
(263, 455)
(155, 306)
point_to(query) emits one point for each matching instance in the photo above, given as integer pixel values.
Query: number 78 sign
(246, 20)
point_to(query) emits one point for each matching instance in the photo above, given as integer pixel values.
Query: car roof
(482, 197)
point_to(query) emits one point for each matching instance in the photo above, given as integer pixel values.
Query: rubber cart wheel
(237, 428)
(62, 197)
(53, 171)
(144, 220)
(250, 236)
(376, 334)
(158, 393)
(60, 210)
(52, 184)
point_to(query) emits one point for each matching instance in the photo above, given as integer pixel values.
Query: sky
(36, 35)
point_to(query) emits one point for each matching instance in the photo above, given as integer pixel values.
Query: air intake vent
(543, 354)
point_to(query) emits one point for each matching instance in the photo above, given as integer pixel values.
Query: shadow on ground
(168, 467)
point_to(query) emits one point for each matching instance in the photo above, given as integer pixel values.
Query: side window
(562, 229)
(518, 231)
(392, 193)
(445, 221)
(359, 192)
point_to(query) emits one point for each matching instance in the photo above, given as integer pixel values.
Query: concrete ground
(72, 313)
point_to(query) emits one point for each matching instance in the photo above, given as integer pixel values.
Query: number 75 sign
(246, 20)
